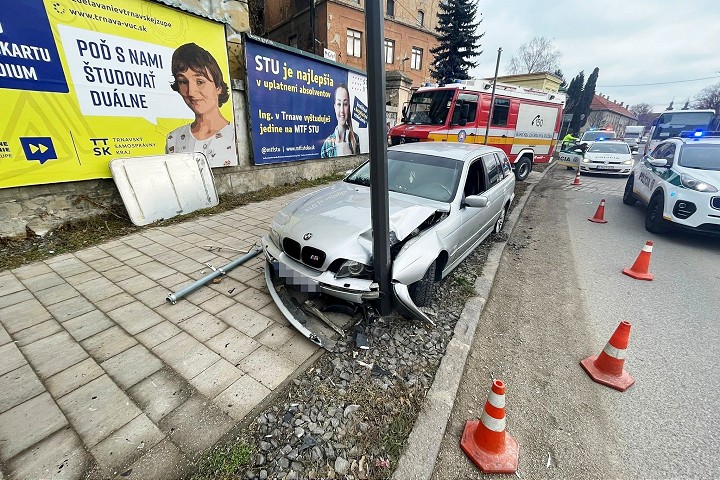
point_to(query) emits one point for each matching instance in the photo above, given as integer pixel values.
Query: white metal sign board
(163, 186)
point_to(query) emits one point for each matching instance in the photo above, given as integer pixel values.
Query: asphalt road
(558, 296)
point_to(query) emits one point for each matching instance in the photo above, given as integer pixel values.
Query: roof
(452, 150)
(601, 103)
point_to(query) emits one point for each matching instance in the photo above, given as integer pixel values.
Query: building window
(421, 18)
(292, 41)
(416, 60)
(389, 51)
(354, 42)
(391, 8)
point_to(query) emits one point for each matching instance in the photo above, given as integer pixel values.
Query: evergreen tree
(573, 92)
(563, 84)
(582, 110)
(458, 41)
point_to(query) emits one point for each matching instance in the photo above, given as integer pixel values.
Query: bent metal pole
(174, 297)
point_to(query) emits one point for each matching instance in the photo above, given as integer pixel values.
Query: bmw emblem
(307, 236)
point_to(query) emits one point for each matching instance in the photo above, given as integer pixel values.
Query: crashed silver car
(444, 200)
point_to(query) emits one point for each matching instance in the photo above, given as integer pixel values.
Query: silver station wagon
(444, 200)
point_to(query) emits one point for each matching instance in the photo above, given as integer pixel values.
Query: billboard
(302, 107)
(86, 81)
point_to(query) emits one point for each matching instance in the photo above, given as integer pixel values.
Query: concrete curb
(418, 459)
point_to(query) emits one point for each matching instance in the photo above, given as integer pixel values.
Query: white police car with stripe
(679, 182)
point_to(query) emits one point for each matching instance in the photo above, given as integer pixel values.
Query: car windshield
(702, 157)
(592, 136)
(426, 176)
(600, 147)
(429, 108)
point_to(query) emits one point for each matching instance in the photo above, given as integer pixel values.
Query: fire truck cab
(525, 121)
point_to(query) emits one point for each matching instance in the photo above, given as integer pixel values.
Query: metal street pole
(375, 35)
(492, 97)
(312, 24)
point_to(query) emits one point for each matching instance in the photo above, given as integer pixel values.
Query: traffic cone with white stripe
(577, 178)
(599, 213)
(639, 270)
(486, 442)
(607, 368)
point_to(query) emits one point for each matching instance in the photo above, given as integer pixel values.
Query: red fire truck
(525, 121)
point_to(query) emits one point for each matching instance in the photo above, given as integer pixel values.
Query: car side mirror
(476, 201)
(658, 162)
(578, 150)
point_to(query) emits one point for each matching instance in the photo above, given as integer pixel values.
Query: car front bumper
(295, 274)
(690, 209)
(284, 275)
(605, 169)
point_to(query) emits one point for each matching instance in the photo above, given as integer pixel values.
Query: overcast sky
(633, 42)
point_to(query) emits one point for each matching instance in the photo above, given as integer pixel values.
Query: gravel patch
(350, 414)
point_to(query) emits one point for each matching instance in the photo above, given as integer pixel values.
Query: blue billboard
(302, 107)
(30, 59)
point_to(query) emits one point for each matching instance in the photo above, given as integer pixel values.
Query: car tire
(629, 197)
(523, 167)
(421, 292)
(654, 221)
(500, 221)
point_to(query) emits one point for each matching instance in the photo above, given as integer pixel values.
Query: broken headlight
(274, 237)
(353, 269)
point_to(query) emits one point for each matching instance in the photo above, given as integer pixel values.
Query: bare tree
(538, 55)
(709, 97)
(643, 112)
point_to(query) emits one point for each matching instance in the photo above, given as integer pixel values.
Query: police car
(678, 182)
(611, 157)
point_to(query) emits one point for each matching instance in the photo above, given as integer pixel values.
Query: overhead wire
(658, 83)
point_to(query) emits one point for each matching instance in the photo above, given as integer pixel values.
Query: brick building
(606, 113)
(340, 26)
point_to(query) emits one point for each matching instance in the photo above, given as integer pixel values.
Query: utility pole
(492, 97)
(312, 24)
(379, 204)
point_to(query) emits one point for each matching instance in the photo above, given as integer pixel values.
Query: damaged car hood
(338, 218)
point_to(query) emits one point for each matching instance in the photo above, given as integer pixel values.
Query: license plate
(296, 279)
(605, 167)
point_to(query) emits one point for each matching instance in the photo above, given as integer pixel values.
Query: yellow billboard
(86, 81)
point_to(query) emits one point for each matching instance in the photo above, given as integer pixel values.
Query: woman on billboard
(199, 81)
(343, 140)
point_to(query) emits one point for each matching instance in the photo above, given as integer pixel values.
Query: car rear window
(702, 157)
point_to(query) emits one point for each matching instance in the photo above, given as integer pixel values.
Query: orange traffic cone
(599, 213)
(485, 440)
(607, 368)
(639, 270)
(577, 178)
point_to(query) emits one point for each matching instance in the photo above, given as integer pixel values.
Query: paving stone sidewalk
(101, 376)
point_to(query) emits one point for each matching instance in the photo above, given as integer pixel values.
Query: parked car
(609, 156)
(444, 200)
(678, 182)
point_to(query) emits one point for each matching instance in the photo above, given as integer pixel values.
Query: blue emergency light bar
(698, 134)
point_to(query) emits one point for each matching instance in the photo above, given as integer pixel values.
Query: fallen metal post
(174, 297)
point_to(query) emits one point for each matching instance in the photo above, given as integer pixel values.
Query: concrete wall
(39, 208)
